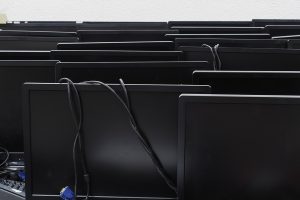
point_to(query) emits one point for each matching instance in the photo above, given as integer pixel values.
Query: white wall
(148, 10)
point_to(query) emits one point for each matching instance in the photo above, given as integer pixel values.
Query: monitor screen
(73, 26)
(216, 35)
(118, 164)
(251, 59)
(282, 30)
(166, 72)
(265, 22)
(12, 76)
(133, 45)
(24, 55)
(40, 26)
(250, 82)
(239, 147)
(37, 33)
(32, 43)
(122, 25)
(123, 35)
(217, 29)
(227, 42)
(113, 55)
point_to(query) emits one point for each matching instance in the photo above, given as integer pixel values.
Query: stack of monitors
(217, 103)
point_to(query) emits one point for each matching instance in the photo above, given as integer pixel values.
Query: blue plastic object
(67, 194)
(21, 175)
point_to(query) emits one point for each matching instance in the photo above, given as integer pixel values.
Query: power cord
(76, 110)
(217, 64)
(212, 53)
(216, 48)
(141, 136)
(145, 142)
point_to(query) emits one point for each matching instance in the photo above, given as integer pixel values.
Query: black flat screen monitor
(282, 30)
(24, 55)
(250, 82)
(114, 55)
(134, 45)
(118, 165)
(123, 35)
(265, 22)
(217, 29)
(122, 25)
(37, 33)
(238, 147)
(72, 26)
(232, 36)
(227, 42)
(40, 26)
(210, 23)
(166, 72)
(12, 75)
(32, 43)
(249, 59)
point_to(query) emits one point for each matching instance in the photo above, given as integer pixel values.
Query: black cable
(217, 63)
(141, 136)
(76, 110)
(125, 93)
(216, 48)
(213, 54)
(6, 158)
(161, 170)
